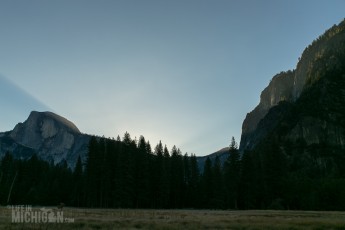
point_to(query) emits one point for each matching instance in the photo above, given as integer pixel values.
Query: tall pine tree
(232, 169)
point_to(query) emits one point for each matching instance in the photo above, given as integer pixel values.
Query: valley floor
(75, 218)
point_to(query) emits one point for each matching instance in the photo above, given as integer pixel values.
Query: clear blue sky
(182, 71)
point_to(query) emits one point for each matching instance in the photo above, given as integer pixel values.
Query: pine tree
(207, 184)
(232, 175)
(7, 176)
(187, 194)
(127, 140)
(247, 186)
(142, 175)
(64, 180)
(163, 176)
(78, 184)
(176, 178)
(109, 161)
(92, 184)
(103, 172)
(111, 170)
(127, 172)
(166, 177)
(218, 185)
(158, 175)
(194, 184)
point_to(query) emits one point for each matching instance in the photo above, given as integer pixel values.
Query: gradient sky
(182, 71)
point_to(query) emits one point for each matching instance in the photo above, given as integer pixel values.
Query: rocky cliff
(52, 137)
(322, 61)
(279, 89)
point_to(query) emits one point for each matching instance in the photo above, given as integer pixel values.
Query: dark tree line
(116, 174)
(37, 182)
(130, 174)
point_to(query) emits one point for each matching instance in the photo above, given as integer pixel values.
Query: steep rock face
(51, 136)
(312, 64)
(317, 131)
(279, 89)
(317, 118)
(320, 111)
(42, 127)
(323, 58)
(18, 151)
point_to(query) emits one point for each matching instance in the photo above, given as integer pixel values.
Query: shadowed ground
(184, 219)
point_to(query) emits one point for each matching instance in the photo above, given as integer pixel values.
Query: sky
(185, 72)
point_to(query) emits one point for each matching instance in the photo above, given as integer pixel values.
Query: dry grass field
(184, 219)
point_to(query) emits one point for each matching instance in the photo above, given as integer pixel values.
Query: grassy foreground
(183, 219)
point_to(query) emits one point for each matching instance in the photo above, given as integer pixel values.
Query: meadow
(183, 219)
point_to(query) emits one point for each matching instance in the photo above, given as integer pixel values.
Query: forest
(128, 173)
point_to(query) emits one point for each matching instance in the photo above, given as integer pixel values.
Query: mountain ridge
(324, 55)
(56, 139)
(52, 137)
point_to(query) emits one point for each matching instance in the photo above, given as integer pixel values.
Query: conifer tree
(176, 178)
(158, 176)
(194, 183)
(142, 175)
(6, 177)
(207, 184)
(127, 172)
(232, 175)
(187, 194)
(247, 186)
(92, 175)
(218, 189)
(78, 184)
